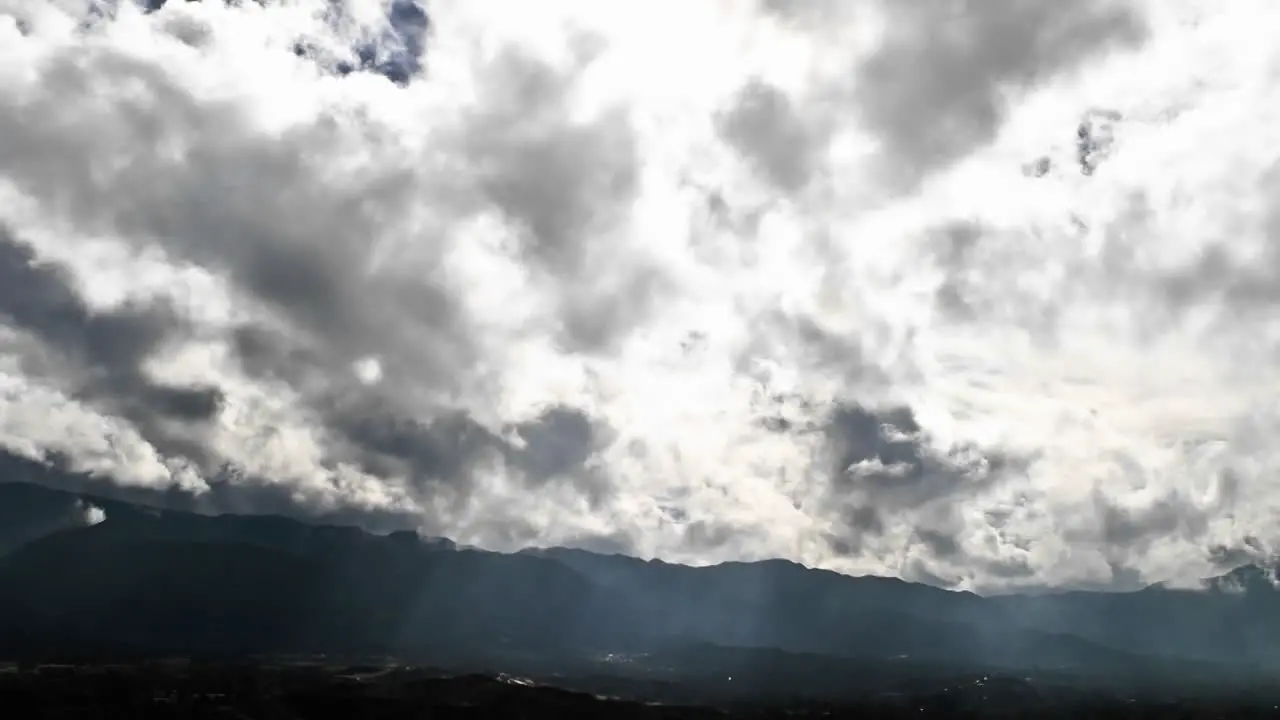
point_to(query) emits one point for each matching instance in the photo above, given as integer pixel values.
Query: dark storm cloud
(1125, 530)
(40, 297)
(857, 434)
(964, 252)
(558, 445)
(103, 353)
(765, 128)
(936, 87)
(266, 212)
(882, 468)
(435, 454)
(559, 441)
(262, 212)
(1009, 569)
(190, 404)
(941, 544)
(558, 180)
(439, 455)
(1249, 284)
(819, 351)
(953, 247)
(260, 209)
(563, 183)
(1249, 550)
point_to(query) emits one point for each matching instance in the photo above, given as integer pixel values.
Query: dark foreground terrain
(93, 589)
(269, 690)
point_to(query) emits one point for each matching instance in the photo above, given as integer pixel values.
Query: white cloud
(91, 514)
(602, 274)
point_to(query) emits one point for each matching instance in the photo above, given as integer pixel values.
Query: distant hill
(88, 575)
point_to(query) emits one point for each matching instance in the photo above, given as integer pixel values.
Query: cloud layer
(982, 294)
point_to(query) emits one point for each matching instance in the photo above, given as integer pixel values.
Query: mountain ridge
(151, 581)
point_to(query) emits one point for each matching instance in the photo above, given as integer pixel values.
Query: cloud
(91, 514)
(763, 126)
(756, 280)
(103, 353)
(883, 468)
(939, 83)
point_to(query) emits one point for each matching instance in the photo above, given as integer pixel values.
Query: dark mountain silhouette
(148, 582)
(1235, 619)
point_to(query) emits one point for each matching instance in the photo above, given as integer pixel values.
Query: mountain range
(86, 576)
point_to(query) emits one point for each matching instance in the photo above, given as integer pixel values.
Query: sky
(980, 294)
